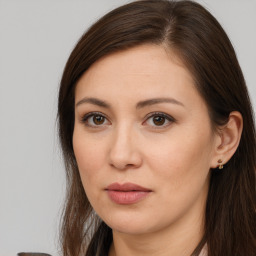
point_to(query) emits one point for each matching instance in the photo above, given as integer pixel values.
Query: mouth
(127, 193)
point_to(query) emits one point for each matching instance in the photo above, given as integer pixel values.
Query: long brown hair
(203, 46)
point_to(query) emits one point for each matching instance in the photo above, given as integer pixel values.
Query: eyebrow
(93, 101)
(150, 102)
(139, 105)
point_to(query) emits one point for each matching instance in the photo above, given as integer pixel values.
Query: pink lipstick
(127, 193)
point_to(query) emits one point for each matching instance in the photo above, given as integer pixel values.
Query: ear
(227, 139)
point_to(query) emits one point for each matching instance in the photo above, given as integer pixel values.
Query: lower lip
(127, 197)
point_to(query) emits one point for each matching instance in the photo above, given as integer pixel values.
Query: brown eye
(95, 120)
(98, 120)
(158, 120)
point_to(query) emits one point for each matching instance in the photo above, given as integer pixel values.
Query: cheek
(89, 156)
(182, 158)
(181, 168)
(90, 160)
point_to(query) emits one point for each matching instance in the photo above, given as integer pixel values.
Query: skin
(173, 159)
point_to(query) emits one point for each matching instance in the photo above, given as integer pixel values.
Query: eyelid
(85, 118)
(168, 117)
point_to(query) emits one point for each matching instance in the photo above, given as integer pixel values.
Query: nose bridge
(124, 149)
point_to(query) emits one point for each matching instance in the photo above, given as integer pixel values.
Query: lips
(127, 193)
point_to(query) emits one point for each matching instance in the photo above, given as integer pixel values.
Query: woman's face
(143, 141)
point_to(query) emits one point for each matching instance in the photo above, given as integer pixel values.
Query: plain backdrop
(36, 38)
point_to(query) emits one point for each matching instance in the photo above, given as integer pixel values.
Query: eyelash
(92, 114)
(166, 117)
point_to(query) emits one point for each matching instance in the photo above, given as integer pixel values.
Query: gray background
(36, 38)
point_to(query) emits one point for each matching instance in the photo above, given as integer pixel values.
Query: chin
(130, 229)
(131, 225)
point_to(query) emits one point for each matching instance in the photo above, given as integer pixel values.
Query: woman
(158, 138)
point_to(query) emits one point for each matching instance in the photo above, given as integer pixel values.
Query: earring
(220, 164)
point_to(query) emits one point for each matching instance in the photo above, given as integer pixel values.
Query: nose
(124, 149)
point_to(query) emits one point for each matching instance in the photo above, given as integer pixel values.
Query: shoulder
(204, 251)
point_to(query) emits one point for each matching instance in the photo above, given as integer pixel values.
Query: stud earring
(220, 164)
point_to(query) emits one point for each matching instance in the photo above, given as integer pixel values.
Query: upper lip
(127, 187)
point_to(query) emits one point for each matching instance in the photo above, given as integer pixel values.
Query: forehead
(142, 71)
(148, 58)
